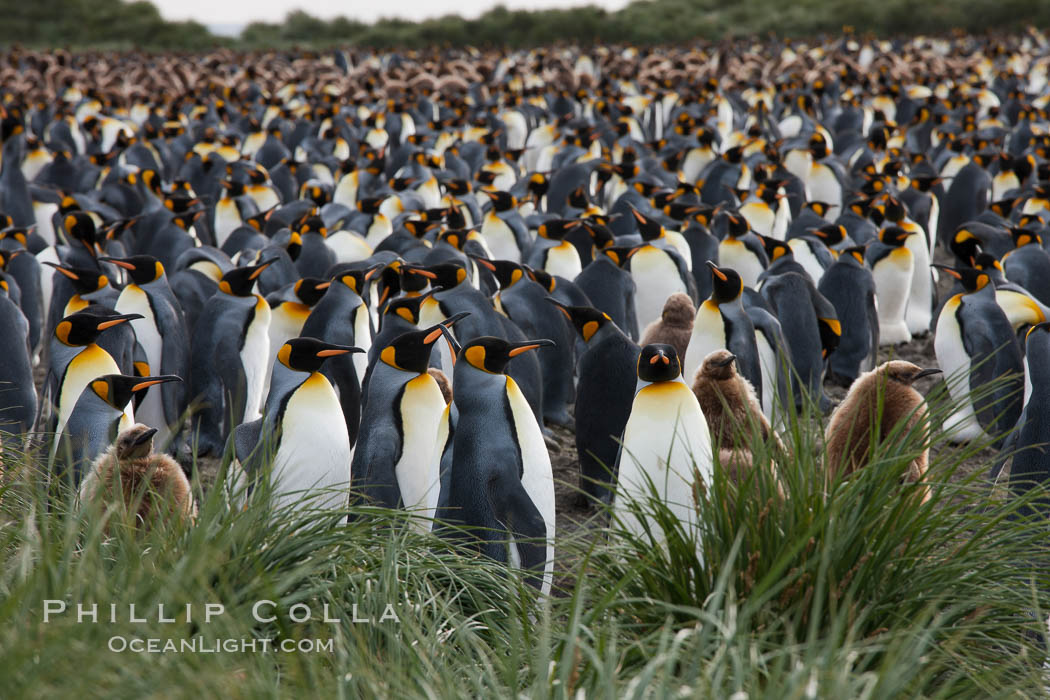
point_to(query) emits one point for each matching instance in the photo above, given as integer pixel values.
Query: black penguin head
(308, 354)
(557, 229)
(136, 442)
(81, 227)
(893, 210)
(971, 279)
(894, 236)
(309, 290)
(490, 354)
(142, 269)
(727, 286)
(621, 255)
(719, 365)
(446, 274)
(408, 308)
(507, 273)
(501, 201)
(585, 319)
(775, 249)
(356, 279)
(118, 389)
(817, 207)
(659, 363)
(905, 372)
(649, 228)
(964, 246)
(85, 280)
(84, 327)
(542, 278)
(240, 280)
(1024, 236)
(737, 225)
(986, 262)
(830, 234)
(419, 228)
(856, 252)
(411, 351)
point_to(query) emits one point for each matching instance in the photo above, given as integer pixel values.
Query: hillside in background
(117, 24)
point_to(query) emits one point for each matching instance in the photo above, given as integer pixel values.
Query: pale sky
(241, 12)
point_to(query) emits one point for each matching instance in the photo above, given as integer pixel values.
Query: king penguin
(666, 445)
(849, 286)
(501, 486)
(397, 458)
(163, 336)
(722, 323)
(603, 397)
(975, 344)
(228, 358)
(300, 444)
(18, 402)
(892, 268)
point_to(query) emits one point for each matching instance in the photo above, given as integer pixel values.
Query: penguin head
(118, 389)
(649, 228)
(971, 279)
(727, 286)
(136, 442)
(308, 354)
(309, 290)
(737, 225)
(408, 308)
(659, 363)
(142, 269)
(775, 248)
(81, 227)
(986, 262)
(501, 201)
(620, 255)
(964, 246)
(856, 253)
(719, 365)
(904, 372)
(585, 319)
(356, 279)
(507, 273)
(894, 236)
(446, 274)
(1024, 236)
(241, 280)
(491, 354)
(557, 229)
(830, 234)
(411, 351)
(419, 228)
(893, 210)
(817, 207)
(85, 280)
(84, 327)
(542, 278)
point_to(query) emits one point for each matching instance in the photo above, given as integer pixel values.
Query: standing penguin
(228, 358)
(604, 394)
(658, 272)
(721, 322)
(892, 268)
(397, 460)
(611, 288)
(849, 435)
(1028, 444)
(674, 326)
(849, 286)
(501, 484)
(666, 443)
(18, 402)
(975, 345)
(163, 336)
(302, 429)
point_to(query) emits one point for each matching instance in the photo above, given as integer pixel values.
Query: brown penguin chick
(729, 403)
(154, 485)
(443, 383)
(848, 437)
(675, 325)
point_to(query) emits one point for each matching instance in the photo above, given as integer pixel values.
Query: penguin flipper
(373, 476)
(246, 447)
(527, 529)
(234, 382)
(999, 412)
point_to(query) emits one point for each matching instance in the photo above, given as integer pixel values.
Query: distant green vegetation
(113, 23)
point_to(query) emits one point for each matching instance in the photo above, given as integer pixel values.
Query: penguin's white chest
(314, 452)
(709, 334)
(537, 476)
(227, 218)
(563, 261)
(892, 276)
(759, 217)
(665, 435)
(133, 300)
(500, 238)
(962, 425)
(422, 408)
(657, 278)
(91, 363)
(805, 257)
(735, 255)
(919, 311)
(254, 358)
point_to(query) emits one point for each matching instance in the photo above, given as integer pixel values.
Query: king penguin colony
(234, 252)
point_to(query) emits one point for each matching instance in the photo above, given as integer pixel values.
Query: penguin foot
(559, 418)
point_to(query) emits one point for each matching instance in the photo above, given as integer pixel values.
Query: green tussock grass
(853, 588)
